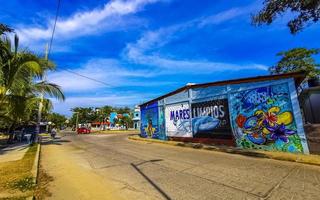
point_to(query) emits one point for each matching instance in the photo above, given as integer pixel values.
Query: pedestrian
(53, 132)
(23, 132)
(33, 137)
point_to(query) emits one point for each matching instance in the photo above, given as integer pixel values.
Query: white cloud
(222, 16)
(108, 71)
(114, 99)
(228, 15)
(89, 22)
(145, 50)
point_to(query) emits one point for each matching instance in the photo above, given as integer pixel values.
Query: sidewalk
(71, 177)
(13, 152)
(299, 158)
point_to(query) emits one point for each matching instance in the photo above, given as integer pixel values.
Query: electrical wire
(54, 27)
(87, 77)
(50, 46)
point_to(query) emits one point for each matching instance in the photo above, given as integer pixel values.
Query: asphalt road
(142, 170)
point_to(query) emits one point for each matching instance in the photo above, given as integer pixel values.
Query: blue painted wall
(262, 115)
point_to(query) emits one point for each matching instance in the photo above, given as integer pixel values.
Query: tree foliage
(57, 119)
(305, 12)
(295, 60)
(126, 121)
(5, 29)
(19, 88)
(91, 114)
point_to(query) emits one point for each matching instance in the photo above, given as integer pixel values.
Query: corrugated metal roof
(298, 76)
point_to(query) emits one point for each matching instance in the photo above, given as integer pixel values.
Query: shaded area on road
(46, 140)
(185, 173)
(135, 166)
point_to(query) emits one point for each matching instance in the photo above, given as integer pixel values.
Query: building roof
(298, 77)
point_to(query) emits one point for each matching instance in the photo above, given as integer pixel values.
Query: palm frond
(51, 89)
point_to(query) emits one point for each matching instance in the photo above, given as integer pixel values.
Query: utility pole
(41, 100)
(77, 121)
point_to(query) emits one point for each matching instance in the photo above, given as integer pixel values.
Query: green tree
(85, 115)
(19, 89)
(295, 60)
(122, 110)
(5, 29)
(304, 13)
(57, 119)
(106, 110)
(126, 121)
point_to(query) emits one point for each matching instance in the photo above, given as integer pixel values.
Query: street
(141, 170)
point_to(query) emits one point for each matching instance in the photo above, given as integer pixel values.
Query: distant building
(309, 99)
(136, 117)
(126, 115)
(113, 117)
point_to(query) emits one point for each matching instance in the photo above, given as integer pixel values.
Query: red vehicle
(83, 130)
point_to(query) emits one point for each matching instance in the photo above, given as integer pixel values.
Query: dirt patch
(41, 190)
(16, 177)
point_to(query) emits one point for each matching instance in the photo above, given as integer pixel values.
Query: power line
(87, 77)
(54, 27)
(50, 46)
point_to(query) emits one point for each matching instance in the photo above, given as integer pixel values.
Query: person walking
(53, 132)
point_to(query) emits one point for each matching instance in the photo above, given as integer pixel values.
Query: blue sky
(145, 48)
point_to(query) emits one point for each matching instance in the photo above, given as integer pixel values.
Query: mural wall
(178, 120)
(259, 115)
(262, 118)
(162, 130)
(149, 121)
(211, 119)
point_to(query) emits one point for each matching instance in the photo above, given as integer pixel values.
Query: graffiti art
(262, 119)
(149, 121)
(211, 119)
(162, 134)
(178, 120)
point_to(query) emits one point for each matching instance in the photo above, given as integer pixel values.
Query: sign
(211, 119)
(178, 120)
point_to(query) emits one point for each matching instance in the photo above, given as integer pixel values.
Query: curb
(298, 158)
(35, 168)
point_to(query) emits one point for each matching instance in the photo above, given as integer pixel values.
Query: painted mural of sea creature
(261, 127)
(262, 118)
(204, 123)
(183, 126)
(255, 97)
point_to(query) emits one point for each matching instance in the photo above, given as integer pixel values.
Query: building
(309, 99)
(259, 113)
(136, 117)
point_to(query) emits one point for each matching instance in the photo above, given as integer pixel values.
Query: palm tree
(19, 88)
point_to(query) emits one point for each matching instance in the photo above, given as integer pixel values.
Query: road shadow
(224, 149)
(19, 146)
(55, 141)
(135, 166)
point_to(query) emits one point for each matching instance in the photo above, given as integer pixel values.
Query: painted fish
(255, 97)
(256, 138)
(204, 123)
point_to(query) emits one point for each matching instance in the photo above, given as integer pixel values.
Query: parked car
(83, 130)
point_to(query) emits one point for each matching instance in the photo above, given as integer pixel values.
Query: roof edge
(298, 77)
